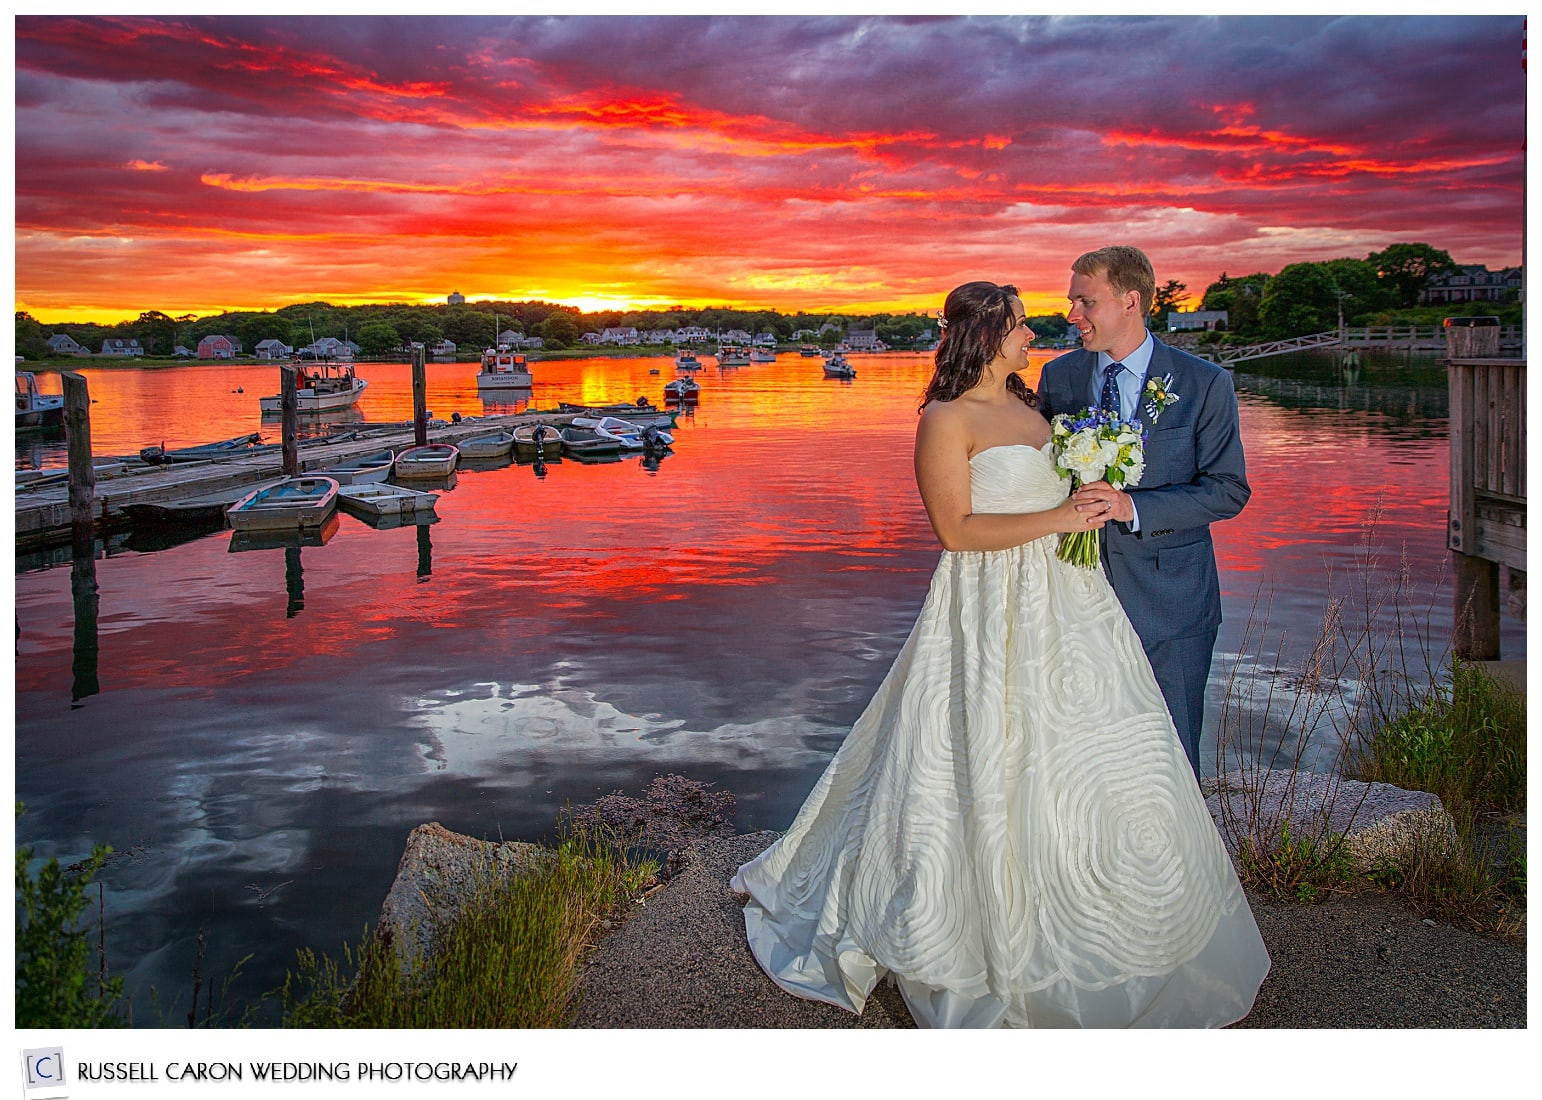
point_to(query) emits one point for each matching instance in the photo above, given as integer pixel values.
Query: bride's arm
(942, 475)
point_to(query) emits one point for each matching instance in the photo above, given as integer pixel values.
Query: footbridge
(1227, 356)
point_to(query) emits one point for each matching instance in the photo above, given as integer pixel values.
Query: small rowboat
(364, 470)
(291, 503)
(432, 460)
(190, 511)
(542, 439)
(632, 436)
(374, 501)
(496, 445)
(644, 414)
(587, 441)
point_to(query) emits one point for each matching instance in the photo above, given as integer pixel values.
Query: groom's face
(1107, 320)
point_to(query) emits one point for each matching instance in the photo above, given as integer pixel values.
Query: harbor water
(255, 733)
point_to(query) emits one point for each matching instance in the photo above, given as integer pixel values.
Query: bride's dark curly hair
(976, 318)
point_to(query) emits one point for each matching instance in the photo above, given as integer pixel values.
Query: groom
(1156, 548)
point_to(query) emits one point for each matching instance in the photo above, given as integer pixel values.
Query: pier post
(419, 397)
(82, 475)
(1477, 608)
(289, 411)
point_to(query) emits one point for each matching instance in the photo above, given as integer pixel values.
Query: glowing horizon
(198, 165)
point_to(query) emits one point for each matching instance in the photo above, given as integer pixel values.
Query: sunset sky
(199, 164)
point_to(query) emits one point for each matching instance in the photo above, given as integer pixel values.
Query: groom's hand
(1104, 500)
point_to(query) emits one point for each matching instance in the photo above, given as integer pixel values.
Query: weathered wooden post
(425, 553)
(82, 475)
(289, 411)
(419, 396)
(1472, 337)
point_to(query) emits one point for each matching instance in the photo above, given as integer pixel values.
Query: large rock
(1379, 821)
(439, 871)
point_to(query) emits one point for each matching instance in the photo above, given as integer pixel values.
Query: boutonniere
(1159, 394)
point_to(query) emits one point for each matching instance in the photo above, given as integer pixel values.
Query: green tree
(1406, 268)
(31, 340)
(1240, 298)
(559, 330)
(378, 338)
(1169, 298)
(471, 327)
(1298, 302)
(1363, 292)
(156, 332)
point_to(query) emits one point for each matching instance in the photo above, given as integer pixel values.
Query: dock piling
(289, 411)
(82, 473)
(419, 396)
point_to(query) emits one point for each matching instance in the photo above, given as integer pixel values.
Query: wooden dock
(43, 510)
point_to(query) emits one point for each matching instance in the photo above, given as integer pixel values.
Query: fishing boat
(837, 367)
(504, 369)
(375, 501)
(365, 470)
(291, 503)
(644, 414)
(323, 386)
(233, 447)
(34, 409)
(762, 355)
(538, 439)
(433, 460)
(808, 351)
(732, 355)
(192, 511)
(494, 445)
(682, 391)
(586, 442)
(632, 436)
(685, 361)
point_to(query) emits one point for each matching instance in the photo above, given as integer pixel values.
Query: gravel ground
(1361, 961)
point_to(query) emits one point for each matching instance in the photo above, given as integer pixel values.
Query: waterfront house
(589, 338)
(736, 336)
(444, 349)
(659, 336)
(182, 352)
(619, 335)
(1198, 320)
(1473, 283)
(215, 346)
(118, 346)
(329, 347)
(62, 343)
(863, 339)
(692, 334)
(765, 340)
(273, 349)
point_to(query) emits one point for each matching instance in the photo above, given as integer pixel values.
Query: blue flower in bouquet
(1095, 445)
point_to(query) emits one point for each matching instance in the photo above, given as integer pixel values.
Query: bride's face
(1014, 345)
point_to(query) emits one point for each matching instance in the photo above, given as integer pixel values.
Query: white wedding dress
(1011, 829)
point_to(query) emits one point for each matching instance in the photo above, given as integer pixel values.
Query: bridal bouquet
(1090, 445)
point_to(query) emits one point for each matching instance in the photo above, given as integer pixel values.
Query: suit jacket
(1165, 574)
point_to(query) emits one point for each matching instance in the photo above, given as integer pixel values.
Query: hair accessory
(942, 322)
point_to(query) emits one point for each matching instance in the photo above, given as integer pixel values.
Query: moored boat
(375, 501)
(762, 355)
(644, 414)
(34, 409)
(493, 445)
(837, 367)
(226, 448)
(533, 439)
(293, 502)
(363, 470)
(191, 511)
(432, 460)
(632, 437)
(588, 442)
(685, 361)
(732, 355)
(504, 369)
(808, 351)
(322, 386)
(682, 391)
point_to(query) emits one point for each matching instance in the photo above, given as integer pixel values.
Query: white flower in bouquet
(1091, 445)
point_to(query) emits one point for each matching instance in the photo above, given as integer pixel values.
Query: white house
(626, 335)
(184, 352)
(765, 340)
(329, 347)
(692, 334)
(63, 343)
(863, 339)
(589, 338)
(118, 346)
(736, 336)
(1198, 320)
(659, 336)
(444, 349)
(273, 349)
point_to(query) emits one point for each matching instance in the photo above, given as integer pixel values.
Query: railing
(1276, 347)
(1487, 523)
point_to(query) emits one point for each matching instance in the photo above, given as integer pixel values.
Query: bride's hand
(1075, 515)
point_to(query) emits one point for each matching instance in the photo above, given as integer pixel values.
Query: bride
(1011, 831)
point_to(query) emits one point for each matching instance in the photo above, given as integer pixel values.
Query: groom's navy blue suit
(1165, 573)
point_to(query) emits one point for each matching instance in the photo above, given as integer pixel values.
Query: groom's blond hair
(1125, 267)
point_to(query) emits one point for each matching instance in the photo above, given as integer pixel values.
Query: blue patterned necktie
(1110, 397)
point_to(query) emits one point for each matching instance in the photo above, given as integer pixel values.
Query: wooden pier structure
(1429, 338)
(1487, 523)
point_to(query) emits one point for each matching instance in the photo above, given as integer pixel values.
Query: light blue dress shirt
(1131, 381)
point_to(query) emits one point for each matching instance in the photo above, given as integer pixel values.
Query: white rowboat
(289, 504)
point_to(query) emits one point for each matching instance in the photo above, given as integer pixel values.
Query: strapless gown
(1011, 830)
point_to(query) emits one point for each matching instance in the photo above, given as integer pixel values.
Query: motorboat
(288, 504)
(687, 362)
(365, 470)
(644, 414)
(538, 439)
(808, 351)
(586, 442)
(322, 386)
(504, 369)
(432, 460)
(34, 409)
(375, 501)
(632, 436)
(732, 355)
(493, 445)
(682, 391)
(762, 355)
(837, 367)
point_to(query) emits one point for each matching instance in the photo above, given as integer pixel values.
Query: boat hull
(497, 445)
(378, 501)
(433, 460)
(364, 470)
(309, 401)
(514, 380)
(294, 502)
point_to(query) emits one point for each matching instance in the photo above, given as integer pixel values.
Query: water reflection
(86, 598)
